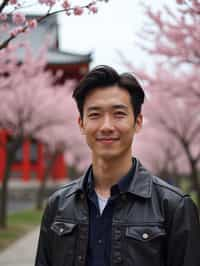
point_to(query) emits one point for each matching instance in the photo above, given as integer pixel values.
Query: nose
(107, 124)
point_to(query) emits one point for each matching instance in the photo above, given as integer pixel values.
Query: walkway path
(22, 252)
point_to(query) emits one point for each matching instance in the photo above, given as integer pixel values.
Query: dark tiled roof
(47, 33)
(59, 57)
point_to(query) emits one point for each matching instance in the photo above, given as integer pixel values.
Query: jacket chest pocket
(144, 245)
(64, 243)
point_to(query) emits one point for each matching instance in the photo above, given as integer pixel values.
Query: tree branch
(47, 123)
(195, 132)
(3, 5)
(197, 159)
(5, 43)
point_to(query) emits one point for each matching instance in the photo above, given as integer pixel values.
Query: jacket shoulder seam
(64, 189)
(70, 184)
(169, 187)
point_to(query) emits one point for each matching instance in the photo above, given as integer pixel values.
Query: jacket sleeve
(43, 248)
(183, 247)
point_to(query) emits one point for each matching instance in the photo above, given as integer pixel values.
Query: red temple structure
(29, 162)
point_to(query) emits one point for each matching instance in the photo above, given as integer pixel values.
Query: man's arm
(183, 247)
(43, 249)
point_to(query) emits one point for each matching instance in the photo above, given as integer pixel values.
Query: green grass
(19, 224)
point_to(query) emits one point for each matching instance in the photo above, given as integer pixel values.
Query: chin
(108, 155)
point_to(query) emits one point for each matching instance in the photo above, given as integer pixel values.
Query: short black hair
(104, 76)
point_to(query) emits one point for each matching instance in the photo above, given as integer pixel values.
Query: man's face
(108, 122)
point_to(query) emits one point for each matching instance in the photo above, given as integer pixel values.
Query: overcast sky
(113, 28)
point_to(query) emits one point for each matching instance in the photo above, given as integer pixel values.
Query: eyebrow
(120, 106)
(115, 106)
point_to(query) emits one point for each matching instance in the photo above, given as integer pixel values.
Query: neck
(108, 172)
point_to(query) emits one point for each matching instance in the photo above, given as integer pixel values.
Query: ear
(138, 123)
(80, 123)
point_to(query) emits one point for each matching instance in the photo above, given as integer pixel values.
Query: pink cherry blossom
(93, 9)
(47, 2)
(66, 4)
(4, 27)
(78, 10)
(13, 2)
(18, 18)
(16, 31)
(32, 23)
(3, 16)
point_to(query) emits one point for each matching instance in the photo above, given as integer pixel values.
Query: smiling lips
(107, 140)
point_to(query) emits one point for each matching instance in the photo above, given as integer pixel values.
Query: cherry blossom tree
(30, 112)
(173, 33)
(173, 123)
(31, 107)
(171, 133)
(67, 140)
(156, 153)
(15, 9)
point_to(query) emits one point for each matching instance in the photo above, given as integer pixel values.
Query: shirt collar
(121, 186)
(125, 181)
(140, 184)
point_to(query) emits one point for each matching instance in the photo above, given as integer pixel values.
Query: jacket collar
(141, 184)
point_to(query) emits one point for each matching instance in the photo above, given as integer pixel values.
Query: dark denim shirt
(100, 226)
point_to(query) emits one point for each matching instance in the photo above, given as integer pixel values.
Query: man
(117, 213)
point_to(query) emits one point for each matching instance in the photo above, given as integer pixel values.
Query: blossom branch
(3, 5)
(77, 10)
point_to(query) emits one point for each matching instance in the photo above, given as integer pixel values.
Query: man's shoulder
(66, 190)
(168, 193)
(167, 188)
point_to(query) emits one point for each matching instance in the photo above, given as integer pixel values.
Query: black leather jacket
(154, 224)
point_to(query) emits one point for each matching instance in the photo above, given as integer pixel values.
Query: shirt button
(145, 236)
(100, 241)
(119, 259)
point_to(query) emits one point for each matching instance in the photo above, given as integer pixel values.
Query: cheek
(90, 132)
(125, 127)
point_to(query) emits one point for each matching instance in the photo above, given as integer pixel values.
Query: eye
(120, 114)
(93, 115)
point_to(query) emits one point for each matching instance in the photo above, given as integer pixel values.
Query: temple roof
(47, 32)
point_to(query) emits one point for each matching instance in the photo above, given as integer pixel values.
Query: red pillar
(59, 171)
(41, 163)
(26, 161)
(2, 154)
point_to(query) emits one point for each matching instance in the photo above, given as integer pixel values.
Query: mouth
(108, 140)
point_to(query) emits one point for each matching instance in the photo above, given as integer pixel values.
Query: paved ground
(22, 194)
(19, 205)
(22, 252)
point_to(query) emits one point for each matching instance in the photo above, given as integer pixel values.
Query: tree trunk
(42, 188)
(195, 182)
(194, 170)
(4, 196)
(11, 152)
